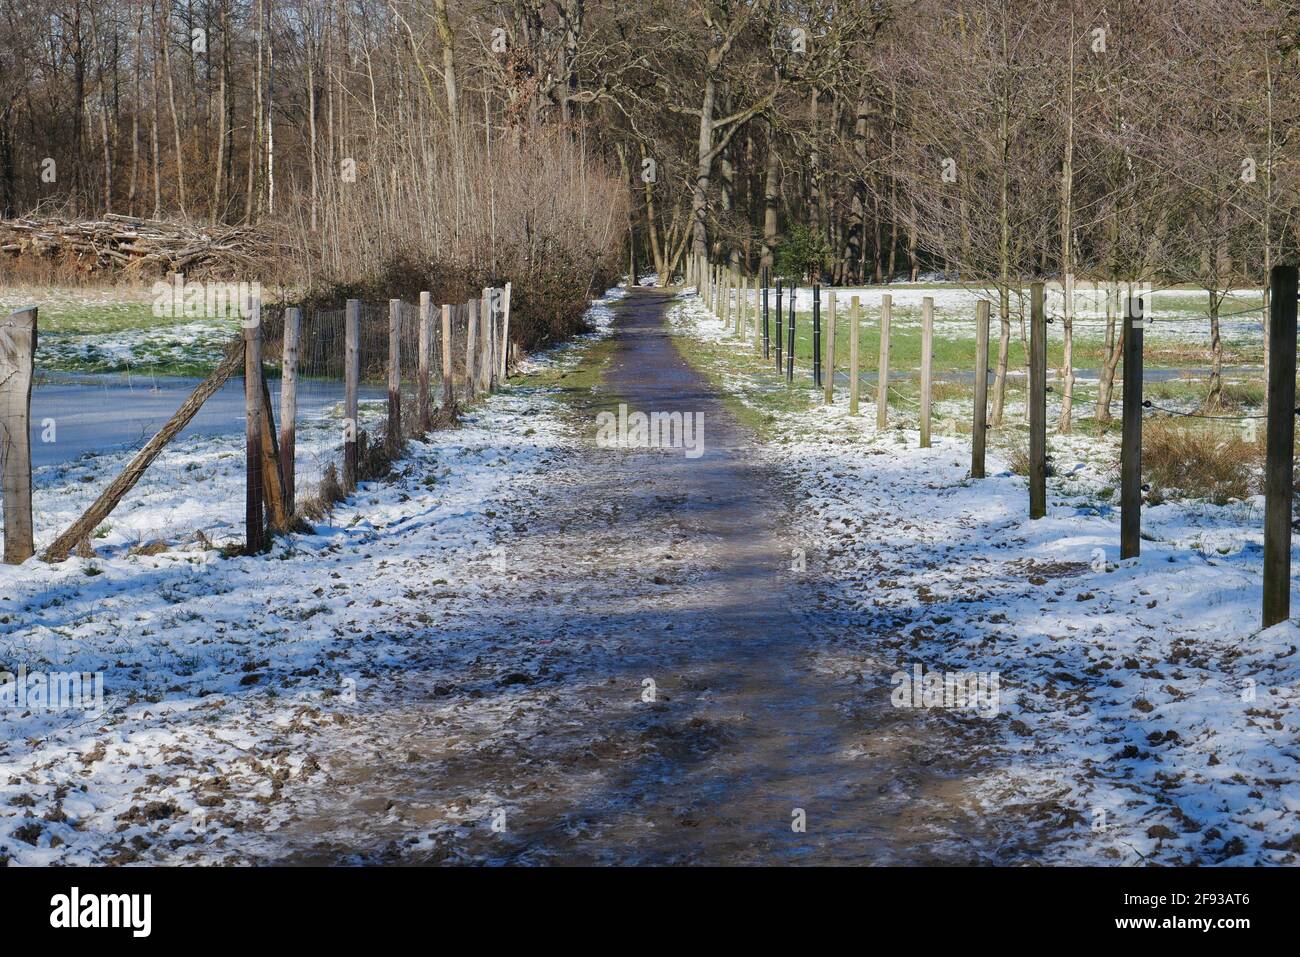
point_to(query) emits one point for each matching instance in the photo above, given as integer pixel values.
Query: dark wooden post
(767, 324)
(289, 403)
(17, 368)
(394, 374)
(1037, 402)
(979, 422)
(1281, 444)
(789, 340)
(817, 358)
(254, 532)
(829, 375)
(927, 366)
(1130, 450)
(351, 383)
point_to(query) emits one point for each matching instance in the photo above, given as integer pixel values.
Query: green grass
(958, 354)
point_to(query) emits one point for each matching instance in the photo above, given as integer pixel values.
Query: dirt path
(634, 566)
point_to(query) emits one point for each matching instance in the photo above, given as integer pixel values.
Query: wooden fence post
(448, 386)
(394, 375)
(767, 319)
(289, 403)
(1038, 402)
(505, 332)
(17, 369)
(779, 317)
(830, 347)
(351, 383)
(980, 416)
(1130, 450)
(488, 326)
(882, 373)
(927, 366)
(471, 333)
(726, 296)
(253, 523)
(1280, 444)
(790, 339)
(855, 327)
(425, 349)
(818, 360)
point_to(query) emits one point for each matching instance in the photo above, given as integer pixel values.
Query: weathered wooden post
(351, 384)
(882, 377)
(817, 359)
(425, 348)
(1280, 444)
(471, 333)
(448, 386)
(289, 403)
(17, 369)
(855, 327)
(980, 415)
(927, 366)
(254, 533)
(726, 296)
(1130, 450)
(505, 332)
(790, 340)
(830, 347)
(488, 337)
(1038, 402)
(779, 317)
(767, 322)
(394, 434)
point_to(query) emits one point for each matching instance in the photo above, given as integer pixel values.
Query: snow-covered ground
(1146, 716)
(214, 668)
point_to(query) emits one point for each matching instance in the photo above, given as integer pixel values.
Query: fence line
(312, 349)
(1281, 385)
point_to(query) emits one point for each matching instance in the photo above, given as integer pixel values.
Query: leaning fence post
(1280, 444)
(253, 536)
(1130, 450)
(817, 359)
(351, 382)
(1038, 402)
(927, 366)
(830, 347)
(17, 365)
(882, 373)
(980, 418)
(289, 402)
(855, 325)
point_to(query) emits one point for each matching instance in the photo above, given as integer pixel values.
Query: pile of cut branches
(141, 247)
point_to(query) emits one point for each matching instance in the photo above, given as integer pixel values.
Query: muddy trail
(645, 688)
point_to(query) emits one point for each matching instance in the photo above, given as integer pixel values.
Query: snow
(1142, 708)
(217, 670)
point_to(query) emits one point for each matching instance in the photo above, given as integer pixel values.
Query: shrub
(1198, 460)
